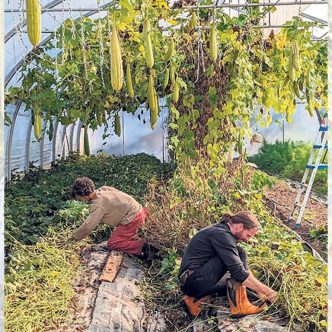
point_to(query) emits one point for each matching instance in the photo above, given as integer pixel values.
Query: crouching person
(115, 208)
(213, 252)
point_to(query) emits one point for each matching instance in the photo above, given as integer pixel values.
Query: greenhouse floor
(313, 228)
(119, 306)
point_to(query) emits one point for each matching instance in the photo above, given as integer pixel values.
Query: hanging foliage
(209, 100)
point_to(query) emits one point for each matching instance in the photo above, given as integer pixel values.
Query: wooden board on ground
(111, 267)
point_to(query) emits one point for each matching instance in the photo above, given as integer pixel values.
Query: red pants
(124, 237)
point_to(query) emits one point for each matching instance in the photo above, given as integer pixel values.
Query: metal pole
(234, 5)
(71, 138)
(27, 145)
(222, 5)
(283, 130)
(10, 140)
(269, 26)
(123, 138)
(64, 134)
(162, 129)
(41, 147)
(313, 18)
(55, 131)
(2, 173)
(56, 10)
(78, 136)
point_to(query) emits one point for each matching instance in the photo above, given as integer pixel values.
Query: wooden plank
(111, 267)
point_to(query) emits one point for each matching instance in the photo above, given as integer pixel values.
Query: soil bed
(282, 196)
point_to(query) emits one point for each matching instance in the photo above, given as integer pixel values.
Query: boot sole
(242, 315)
(237, 316)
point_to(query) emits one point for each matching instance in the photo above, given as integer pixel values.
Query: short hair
(248, 219)
(82, 186)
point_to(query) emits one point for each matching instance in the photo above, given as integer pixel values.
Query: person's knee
(114, 244)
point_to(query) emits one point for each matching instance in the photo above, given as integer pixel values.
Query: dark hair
(82, 186)
(248, 219)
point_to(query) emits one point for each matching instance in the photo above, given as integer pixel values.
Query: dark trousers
(206, 279)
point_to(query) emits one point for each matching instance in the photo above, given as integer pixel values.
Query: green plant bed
(278, 259)
(289, 160)
(39, 280)
(31, 202)
(193, 200)
(43, 260)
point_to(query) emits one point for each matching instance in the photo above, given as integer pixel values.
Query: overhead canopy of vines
(218, 73)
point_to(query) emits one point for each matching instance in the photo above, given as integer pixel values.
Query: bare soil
(281, 199)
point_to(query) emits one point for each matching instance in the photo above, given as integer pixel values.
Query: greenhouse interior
(165, 165)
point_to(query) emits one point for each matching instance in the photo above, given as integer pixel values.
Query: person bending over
(115, 208)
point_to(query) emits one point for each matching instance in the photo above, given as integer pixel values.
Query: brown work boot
(238, 301)
(195, 306)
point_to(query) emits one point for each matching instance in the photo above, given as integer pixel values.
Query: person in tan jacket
(112, 207)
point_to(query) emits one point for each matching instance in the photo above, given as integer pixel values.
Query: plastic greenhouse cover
(18, 46)
(138, 137)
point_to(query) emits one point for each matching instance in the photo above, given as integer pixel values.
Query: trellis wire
(101, 45)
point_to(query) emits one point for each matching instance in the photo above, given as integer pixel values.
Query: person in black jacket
(213, 252)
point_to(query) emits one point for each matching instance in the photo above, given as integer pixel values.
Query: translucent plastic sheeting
(75, 136)
(19, 137)
(34, 153)
(136, 136)
(62, 141)
(47, 146)
(320, 12)
(18, 45)
(303, 128)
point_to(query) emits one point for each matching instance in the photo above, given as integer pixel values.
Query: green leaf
(212, 95)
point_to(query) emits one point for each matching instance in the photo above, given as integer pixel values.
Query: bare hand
(270, 296)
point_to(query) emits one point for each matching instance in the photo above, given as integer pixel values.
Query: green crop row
(288, 160)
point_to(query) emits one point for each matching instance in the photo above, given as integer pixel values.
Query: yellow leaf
(122, 26)
(141, 48)
(172, 22)
(268, 120)
(228, 107)
(237, 195)
(320, 281)
(161, 4)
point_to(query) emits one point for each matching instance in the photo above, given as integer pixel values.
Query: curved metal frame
(27, 146)
(41, 146)
(55, 131)
(11, 74)
(44, 9)
(78, 137)
(10, 140)
(71, 138)
(64, 133)
(9, 77)
(123, 133)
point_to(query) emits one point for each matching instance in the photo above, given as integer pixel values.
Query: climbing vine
(218, 73)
